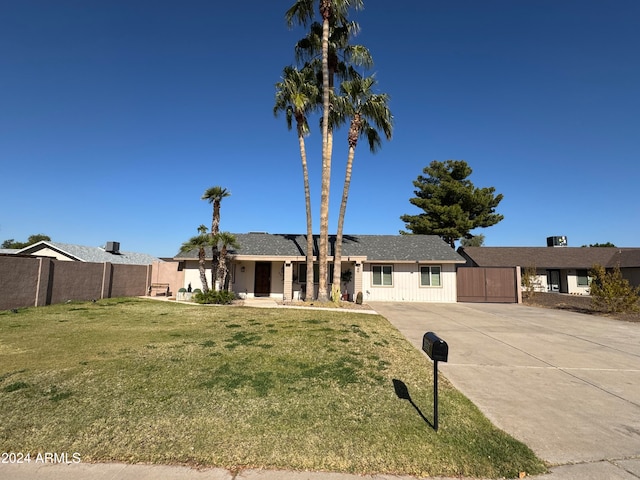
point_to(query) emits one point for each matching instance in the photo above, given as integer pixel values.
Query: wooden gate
(488, 284)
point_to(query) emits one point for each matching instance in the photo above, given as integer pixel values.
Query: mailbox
(438, 351)
(435, 347)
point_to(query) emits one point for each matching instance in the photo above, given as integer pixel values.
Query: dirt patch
(338, 306)
(575, 303)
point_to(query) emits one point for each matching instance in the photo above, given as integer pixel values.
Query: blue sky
(115, 117)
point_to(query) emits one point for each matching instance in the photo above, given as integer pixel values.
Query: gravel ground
(575, 303)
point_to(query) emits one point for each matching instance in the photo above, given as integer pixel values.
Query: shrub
(182, 290)
(221, 297)
(530, 282)
(611, 292)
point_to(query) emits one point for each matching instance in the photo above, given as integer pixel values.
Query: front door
(262, 287)
(554, 280)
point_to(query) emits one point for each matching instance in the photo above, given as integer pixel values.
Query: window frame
(431, 276)
(382, 266)
(302, 276)
(585, 276)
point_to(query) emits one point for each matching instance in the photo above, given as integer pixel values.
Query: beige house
(415, 268)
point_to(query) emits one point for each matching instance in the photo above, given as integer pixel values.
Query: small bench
(159, 288)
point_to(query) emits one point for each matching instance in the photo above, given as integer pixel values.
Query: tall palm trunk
(310, 289)
(215, 221)
(354, 133)
(222, 267)
(202, 268)
(323, 253)
(215, 256)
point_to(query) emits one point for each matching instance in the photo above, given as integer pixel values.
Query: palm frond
(296, 95)
(216, 193)
(301, 12)
(371, 109)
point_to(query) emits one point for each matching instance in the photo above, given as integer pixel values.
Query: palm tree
(214, 195)
(367, 111)
(342, 55)
(342, 59)
(302, 12)
(296, 95)
(227, 240)
(200, 242)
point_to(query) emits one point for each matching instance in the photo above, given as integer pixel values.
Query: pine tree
(452, 205)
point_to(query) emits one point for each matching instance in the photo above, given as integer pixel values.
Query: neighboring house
(558, 269)
(418, 268)
(78, 253)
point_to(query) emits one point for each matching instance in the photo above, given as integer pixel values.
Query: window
(302, 272)
(382, 275)
(583, 278)
(430, 276)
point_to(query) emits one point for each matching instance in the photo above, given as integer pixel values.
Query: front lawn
(141, 381)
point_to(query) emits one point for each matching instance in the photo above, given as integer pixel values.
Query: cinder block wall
(76, 281)
(28, 281)
(129, 280)
(18, 281)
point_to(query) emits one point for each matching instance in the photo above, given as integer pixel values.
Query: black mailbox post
(438, 351)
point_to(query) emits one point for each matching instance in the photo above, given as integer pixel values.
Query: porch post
(357, 279)
(287, 291)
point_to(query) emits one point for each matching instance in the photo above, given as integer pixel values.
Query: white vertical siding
(406, 285)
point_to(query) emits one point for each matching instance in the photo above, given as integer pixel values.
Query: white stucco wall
(572, 284)
(568, 277)
(192, 275)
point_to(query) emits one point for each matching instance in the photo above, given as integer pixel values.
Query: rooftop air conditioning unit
(556, 241)
(112, 247)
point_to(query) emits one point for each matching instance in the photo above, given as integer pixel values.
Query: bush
(182, 290)
(611, 292)
(531, 284)
(221, 297)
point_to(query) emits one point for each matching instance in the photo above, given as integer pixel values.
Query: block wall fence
(38, 281)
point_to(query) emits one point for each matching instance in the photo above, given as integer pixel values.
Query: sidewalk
(606, 470)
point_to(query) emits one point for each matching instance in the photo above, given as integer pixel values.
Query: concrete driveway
(565, 384)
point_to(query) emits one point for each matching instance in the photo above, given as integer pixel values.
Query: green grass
(141, 381)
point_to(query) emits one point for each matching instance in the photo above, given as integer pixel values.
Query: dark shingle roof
(373, 247)
(552, 257)
(399, 248)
